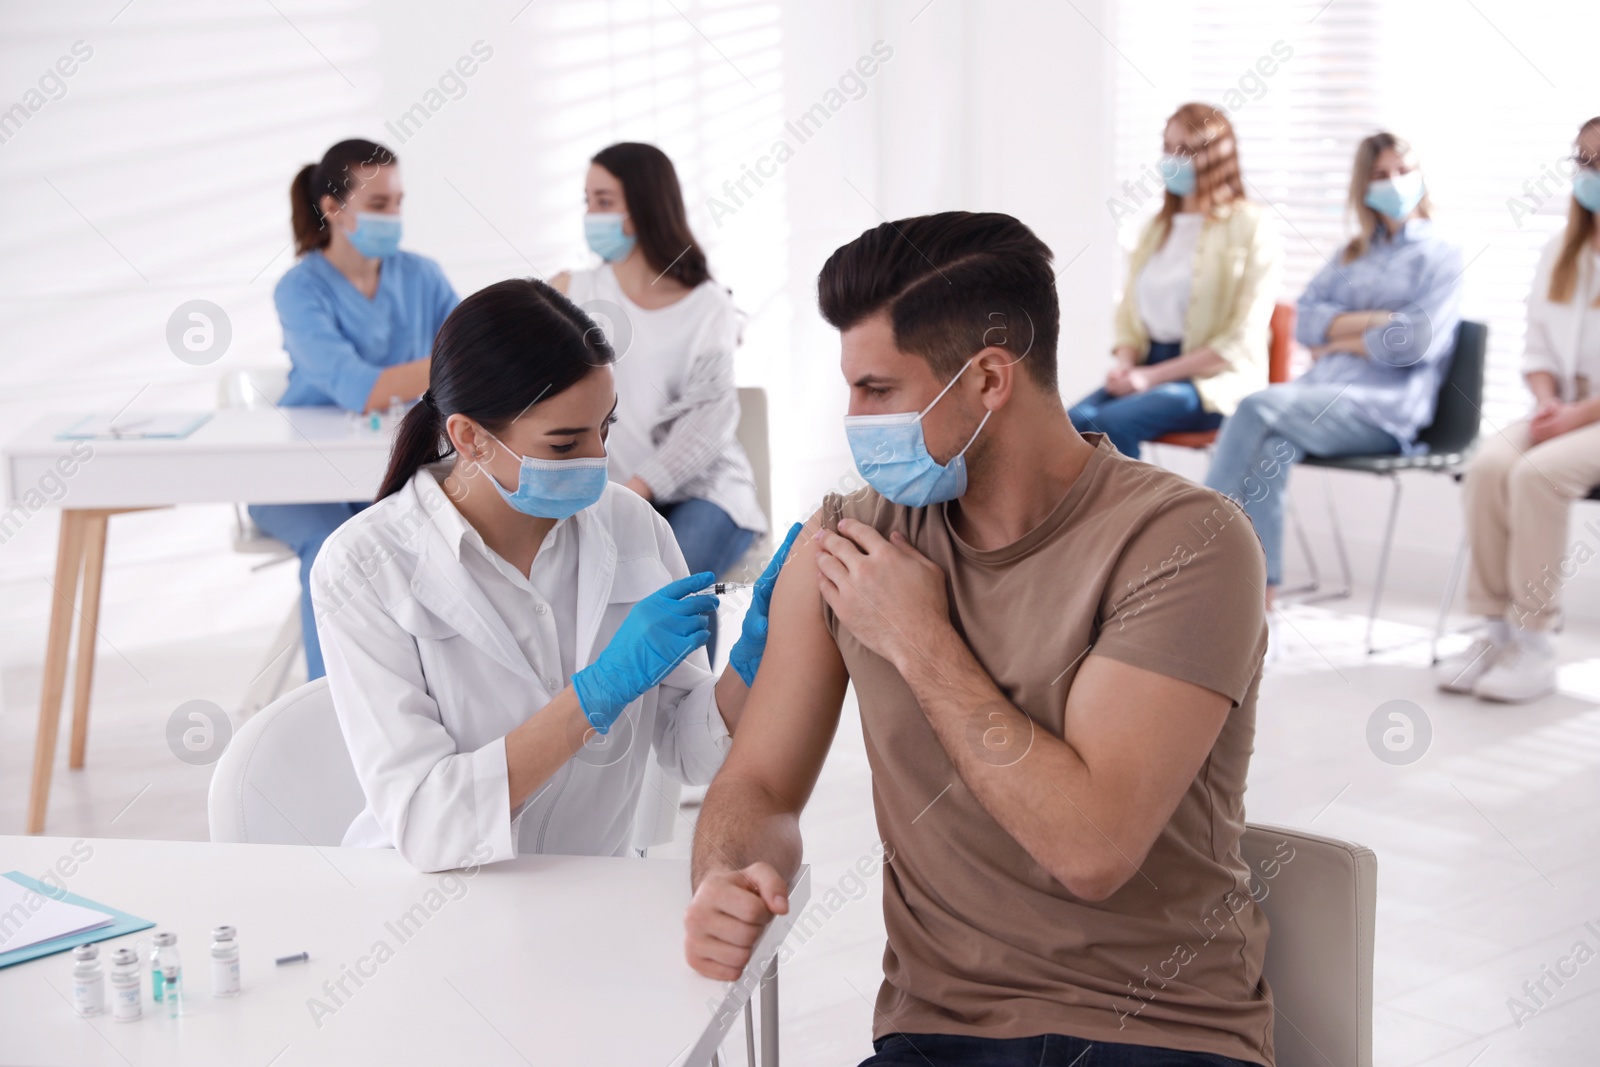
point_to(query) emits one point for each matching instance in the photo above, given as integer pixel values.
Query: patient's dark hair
(952, 284)
(502, 350)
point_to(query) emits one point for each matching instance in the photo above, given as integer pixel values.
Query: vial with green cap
(164, 954)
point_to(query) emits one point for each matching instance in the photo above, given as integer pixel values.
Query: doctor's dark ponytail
(502, 350)
(344, 168)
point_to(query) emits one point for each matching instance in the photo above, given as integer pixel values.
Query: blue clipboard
(122, 923)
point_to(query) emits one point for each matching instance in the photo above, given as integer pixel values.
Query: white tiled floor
(1488, 865)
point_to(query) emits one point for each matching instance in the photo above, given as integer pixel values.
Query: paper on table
(27, 918)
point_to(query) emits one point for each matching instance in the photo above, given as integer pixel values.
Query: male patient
(1056, 651)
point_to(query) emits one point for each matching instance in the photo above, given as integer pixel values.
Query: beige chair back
(1320, 895)
(752, 437)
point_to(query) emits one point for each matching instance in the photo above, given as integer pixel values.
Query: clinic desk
(539, 960)
(262, 455)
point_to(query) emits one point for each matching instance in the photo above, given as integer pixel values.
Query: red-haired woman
(1191, 330)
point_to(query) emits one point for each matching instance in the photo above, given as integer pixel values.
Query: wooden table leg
(94, 561)
(69, 559)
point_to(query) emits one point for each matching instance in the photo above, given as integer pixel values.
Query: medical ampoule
(224, 962)
(127, 998)
(166, 951)
(88, 981)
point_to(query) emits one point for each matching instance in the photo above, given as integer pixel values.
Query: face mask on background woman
(1395, 197)
(603, 231)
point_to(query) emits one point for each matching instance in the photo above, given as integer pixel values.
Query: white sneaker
(1524, 670)
(1460, 672)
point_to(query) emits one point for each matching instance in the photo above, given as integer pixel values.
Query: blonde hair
(1217, 178)
(1367, 220)
(1580, 228)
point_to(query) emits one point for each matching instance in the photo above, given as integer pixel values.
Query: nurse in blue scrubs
(359, 317)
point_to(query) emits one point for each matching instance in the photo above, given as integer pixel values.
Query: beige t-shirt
(1138, 564)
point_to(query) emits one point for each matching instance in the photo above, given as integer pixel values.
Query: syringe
(724, 588)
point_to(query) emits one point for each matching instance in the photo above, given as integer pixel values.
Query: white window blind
(1489, 101)
(700, 79)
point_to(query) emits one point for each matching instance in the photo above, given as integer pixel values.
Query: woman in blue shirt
(359, 317)
(1380, 321)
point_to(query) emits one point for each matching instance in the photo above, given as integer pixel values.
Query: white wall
(160, 175)
(995, 107)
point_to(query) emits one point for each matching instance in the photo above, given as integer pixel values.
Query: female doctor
(358, 315)
(508, 637)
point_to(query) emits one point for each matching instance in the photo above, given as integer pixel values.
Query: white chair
(1321, 904)
(286, 779)
(251, 387)
(752, 437)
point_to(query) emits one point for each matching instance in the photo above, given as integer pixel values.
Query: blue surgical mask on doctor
(603, 231)
(892, 455)
(554, 488)
(377, 234)
(1395, 197)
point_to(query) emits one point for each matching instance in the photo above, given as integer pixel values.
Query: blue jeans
(303, 527)
(1172, 407)
(1046, 1050)
(710, 540)
(1274, 429)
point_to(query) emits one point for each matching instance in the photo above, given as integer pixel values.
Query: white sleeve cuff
(491, 797)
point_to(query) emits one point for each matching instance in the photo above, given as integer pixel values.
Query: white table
(538, 960)
(259, 455)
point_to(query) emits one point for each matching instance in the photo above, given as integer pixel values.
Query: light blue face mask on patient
(554, 488)
(892, 455)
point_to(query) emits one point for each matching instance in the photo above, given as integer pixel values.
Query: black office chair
(1450, 439)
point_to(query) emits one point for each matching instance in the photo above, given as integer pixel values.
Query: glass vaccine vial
(88, 981)
(224, 962)
(172, 982)
(165, 952)
(127, 998)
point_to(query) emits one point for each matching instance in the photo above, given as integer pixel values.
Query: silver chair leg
(1292, 516)
(1449, 596)
(269, 682)
(1338, 537)
(749, 1033)
(1312, 592)
(769, 1015)
(1383, 560)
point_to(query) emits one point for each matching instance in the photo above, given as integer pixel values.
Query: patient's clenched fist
(727, 915)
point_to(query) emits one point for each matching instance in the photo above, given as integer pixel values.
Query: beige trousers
(1517, 497)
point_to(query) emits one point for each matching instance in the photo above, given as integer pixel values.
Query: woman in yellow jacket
(1191, 330)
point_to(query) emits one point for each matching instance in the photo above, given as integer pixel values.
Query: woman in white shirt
(509, 636)
(674, 329)
(1520, 485)
(1191, 329)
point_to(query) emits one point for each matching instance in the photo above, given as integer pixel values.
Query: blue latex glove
(746, 654)
(657, 635)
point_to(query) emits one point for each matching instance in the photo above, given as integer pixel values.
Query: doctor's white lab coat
(427, 680)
